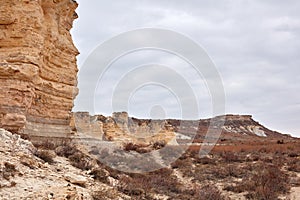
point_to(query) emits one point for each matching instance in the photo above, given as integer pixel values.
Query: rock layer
(38, 72)
(121, 128)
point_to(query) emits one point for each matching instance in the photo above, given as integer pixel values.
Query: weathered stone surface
(38, 72)
(122, 129)
(76, 179)
(31, 178)
(13, 120)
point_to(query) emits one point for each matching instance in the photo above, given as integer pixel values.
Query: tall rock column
(38, 71)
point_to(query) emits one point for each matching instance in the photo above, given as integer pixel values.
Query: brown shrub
(9, 170)
(239, 188)
(230, 157)
(159, 144)
(133, 186)
(130, 147)
(160, 181)
(48, 145)
(205, 161)
(179, 164)
(102, 194)
(259, 147)
(66, 150)
(45, 155)
(293, 154)
(262, 181)
(94, 150)
(100, 175)
(138, 148)
(80, 160)
(267, 182)
(293, 165)
(209, 192)
(295, 181)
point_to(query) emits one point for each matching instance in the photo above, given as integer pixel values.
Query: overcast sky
(254, 44)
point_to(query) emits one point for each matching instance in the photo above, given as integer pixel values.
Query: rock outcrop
(122, 129)
(38, 72)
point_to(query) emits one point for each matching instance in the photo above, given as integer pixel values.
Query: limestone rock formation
(122, 128)
(38, 72)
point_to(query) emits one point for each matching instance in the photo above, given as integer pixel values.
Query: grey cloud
(254, 44)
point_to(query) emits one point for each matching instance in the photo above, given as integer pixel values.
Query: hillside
(68, 171)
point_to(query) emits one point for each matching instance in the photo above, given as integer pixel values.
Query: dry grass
(161, 181)
(65, 149)
(260, 170)
(264, 181)
(263, 169)
(209, 192)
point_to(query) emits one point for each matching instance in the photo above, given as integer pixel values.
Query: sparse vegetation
(8, 170)
(209, 192)
(100, 175)
(64, 149)
(45, 155)
(161, 181)
(256, 172)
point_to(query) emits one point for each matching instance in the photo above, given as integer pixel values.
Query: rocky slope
(62, 172)
(23, 175)
(37, 66)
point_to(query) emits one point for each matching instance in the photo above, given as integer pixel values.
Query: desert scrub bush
(8, 170)
(133, 186)
(178, 164)
(112, 172)
(161, 181)
(159, 144)
(205, 161)
(294, 180)
(266, 182)
(47, 145)
(215, 172)
(136, 147)
(293, 154)
(293, 165)
(130, 147)
(184, 165)
(237, 188)
(81, 161)
(209, 192)
(100, 175)
(171, 152)
(102, 194)
(94, 150)
(45, 155)
(228, 156)
(66, 150)
(75, 156)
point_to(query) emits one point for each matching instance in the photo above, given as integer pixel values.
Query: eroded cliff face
(38, 72)
(122, 129)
